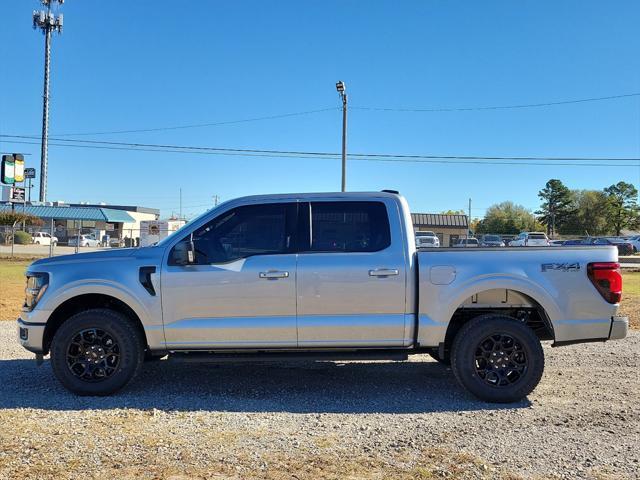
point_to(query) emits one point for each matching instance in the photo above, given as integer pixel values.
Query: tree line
(568, 212)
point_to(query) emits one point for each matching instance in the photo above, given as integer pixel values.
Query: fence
(57, 240)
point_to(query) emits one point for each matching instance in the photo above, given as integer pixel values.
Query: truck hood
(111, 254)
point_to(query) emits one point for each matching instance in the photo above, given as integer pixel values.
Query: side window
(244, 232)
(349, 227)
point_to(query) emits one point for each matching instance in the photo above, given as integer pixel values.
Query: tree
(622, 206)
(589, 215)
(453, 212)
(557, 205)
(13, 218)
(507, 218)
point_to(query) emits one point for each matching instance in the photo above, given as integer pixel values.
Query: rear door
(351, 275)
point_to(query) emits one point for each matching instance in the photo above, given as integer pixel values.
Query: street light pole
(340, 86)
(47, 22)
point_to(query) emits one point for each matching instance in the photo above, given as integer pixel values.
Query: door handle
(273, 274)
(383, 272)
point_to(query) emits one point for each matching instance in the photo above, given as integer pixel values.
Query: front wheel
(497, 358)
(96, 352)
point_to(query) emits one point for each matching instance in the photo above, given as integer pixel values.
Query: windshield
(492, 238)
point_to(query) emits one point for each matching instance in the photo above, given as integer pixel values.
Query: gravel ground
(308, 421)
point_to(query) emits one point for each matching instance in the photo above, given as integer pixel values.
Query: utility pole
(469, 221)
(341, 87)
(47, 22)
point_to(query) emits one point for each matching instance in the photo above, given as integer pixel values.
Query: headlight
(36, 286)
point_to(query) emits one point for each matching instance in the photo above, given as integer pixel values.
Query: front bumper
(31, 336)
(619, 328)
(30, 329)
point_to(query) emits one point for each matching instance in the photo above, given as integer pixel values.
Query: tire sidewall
(123, 332)
(463, 358)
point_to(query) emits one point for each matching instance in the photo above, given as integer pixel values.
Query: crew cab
(332, 276)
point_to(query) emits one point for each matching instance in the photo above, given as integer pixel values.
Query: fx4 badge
(561, 267)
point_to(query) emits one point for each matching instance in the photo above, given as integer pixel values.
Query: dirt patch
(12, 285)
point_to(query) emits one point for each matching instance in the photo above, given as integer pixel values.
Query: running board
(216, 357)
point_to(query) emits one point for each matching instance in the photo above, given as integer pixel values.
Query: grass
(12, 290)
(12, 284)
(630, 305)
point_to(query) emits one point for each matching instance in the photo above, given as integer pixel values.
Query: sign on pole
(17, 195)
(8, 170)
(18, 167)
(29, 173)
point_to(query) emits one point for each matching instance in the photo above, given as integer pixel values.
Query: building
(448, 228)
(118, 222)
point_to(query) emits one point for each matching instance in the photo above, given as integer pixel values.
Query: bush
(22, 238)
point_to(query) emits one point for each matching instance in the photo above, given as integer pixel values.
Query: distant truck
(152, 231)
(328, 276)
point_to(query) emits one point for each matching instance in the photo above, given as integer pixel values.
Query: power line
(381, 109)
(198, 125)
(495, 107)
(451, 160)
(297, 153)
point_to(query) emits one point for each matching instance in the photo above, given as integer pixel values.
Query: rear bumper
(619, 328)
(593, 331)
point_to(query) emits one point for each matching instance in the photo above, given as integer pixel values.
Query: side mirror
(184, 253)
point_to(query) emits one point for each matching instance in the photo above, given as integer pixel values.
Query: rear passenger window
(349, 227)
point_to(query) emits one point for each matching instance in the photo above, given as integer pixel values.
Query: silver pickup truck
(332, 276)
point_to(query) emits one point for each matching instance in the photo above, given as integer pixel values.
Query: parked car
(577, 241)
(43, 238)
(316, 276)
(84, 241)
(491, 241)
(624, 247)
(635, 242)
(530, 239)
(466, 242)
(427, 239)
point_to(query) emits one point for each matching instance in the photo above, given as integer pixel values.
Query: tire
(116, 351)
(480, 343)
(434, 354)
(37, 243)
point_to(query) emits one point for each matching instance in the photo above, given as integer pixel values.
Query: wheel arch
(528, 311)
(88, 301)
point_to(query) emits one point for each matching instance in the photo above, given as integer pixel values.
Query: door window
(244, 232)
(349, 227)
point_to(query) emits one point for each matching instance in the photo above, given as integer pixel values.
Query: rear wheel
(497, 358)
(96, 352)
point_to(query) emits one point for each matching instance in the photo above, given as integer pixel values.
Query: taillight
(607, 279)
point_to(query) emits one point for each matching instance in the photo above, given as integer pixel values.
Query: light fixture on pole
(341, 88)
(47, 22)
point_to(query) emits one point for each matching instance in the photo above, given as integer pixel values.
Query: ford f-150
(333, 276)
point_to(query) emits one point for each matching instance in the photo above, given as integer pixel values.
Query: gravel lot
(299, 420)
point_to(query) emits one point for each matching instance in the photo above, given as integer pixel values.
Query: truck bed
(550, 280)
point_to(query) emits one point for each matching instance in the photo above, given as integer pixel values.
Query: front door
(352, 276)
(240, 293)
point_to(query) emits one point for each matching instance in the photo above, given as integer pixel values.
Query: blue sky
(135, 65)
